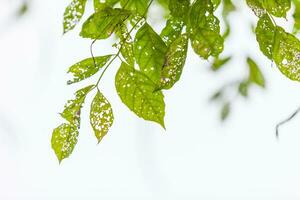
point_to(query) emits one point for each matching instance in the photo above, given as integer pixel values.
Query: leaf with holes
(101, 25)
(204, 30)
(101, 116)
(87, 68)
(73, 108)
(174, 62)
(73, 14)
(179, 8)
(172, 30)
(64, 139)
(137, 6)
(149, 51)
(138, 93)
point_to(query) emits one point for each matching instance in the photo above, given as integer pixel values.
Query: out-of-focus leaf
(73, 108)
(101, 116)
(87, 68)
(257, 7)
(101, 25)
(277, 8)
(149, 51)
(220, 63)
(174, 62)
(64, 139)
(296, 16)
(138, 93)
(225, 111)
(255, 75)
(73, 14)
(138, 6)
(179, 8)
(243, 88)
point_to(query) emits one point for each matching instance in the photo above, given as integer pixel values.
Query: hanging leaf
(219, 63)
(277, 8)
(73, 108)
(138, 6)
(255, 75)
(172, 30)
(87, 68)
(225, 111)
(296, 16)
(101, 116)
(149, 51)
(64, 139)
(73, 14)
(257, 7)
(102, 24)
(204, 30)
(179, 8)
(138, 93)
(174, 62)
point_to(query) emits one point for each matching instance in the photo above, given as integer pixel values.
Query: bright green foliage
(103, 23)
(73, 14)
(152, 63)
(101, 116)
(174, 62)
(87, 68)
(64, 139)
(255, 75)
(139, 94)
(149, 51)
(204, 30)
(72, 109)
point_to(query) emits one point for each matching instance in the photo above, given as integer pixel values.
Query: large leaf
(73, 107)
(149, 50)
(174, 62)
(277, 8)
(101, 116)
(87, 68)
(73, 14)
(64, 139)
(204, 30)
(101, 25)
(138, 93)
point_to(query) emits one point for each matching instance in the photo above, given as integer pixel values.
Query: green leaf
(172, 30)
(219, 63)
(257, 7)
(296, 16)
(204, 30)
(149, 51)
(216, 3)
(138, 93)
(100, 5)
(87, 68)
(138, 6)
(286, 54)
(225, 111)
(179, 8)
(64, 139)
(265, 35)
(255, 75)
(126, 44)
(101, 116)
(277, 8)
(174, 62)
(101, 25)
(73, 14)
(73, 107)
(243, 88)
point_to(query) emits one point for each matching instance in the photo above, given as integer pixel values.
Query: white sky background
(196, 158)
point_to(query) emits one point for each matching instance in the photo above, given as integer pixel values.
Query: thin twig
(285, 121)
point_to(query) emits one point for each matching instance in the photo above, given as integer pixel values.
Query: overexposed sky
(197, 157)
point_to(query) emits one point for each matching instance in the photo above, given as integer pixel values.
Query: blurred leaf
(138, 6)
(243, 88)
(255, 74)
(219, 63)
(225, 111)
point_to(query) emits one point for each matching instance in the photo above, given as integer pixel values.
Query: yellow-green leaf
(73, 14)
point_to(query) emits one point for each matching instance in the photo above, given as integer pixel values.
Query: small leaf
(277, 8)
(225, 111)
(101, 25)
(296, 16)
(138, 6)
(149, 51)
(64, 139)
(243, 88)
(257, 7)
(99, 5)
(174, 62)
(179, 8)
(73, 108)
(101, 116)
(87, 68)
(138, 93)
(73, 14)
(219, 63)
(255, 75)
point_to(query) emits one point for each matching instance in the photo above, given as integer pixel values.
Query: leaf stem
(285, 121)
